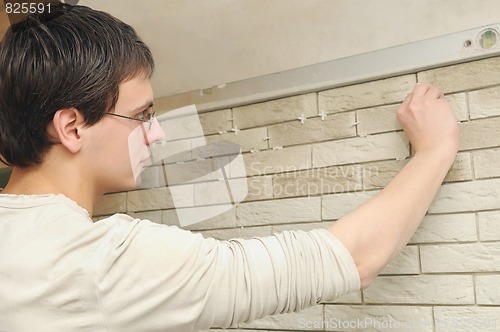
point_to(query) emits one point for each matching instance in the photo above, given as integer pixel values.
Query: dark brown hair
(72, 57)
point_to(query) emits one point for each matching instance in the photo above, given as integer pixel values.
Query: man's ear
(66, 125)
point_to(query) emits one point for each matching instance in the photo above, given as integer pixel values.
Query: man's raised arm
(377, 230)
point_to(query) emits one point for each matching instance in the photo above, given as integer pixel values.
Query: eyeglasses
(147, 116)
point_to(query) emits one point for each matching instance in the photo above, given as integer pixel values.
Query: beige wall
(199, 44)
(302, 176)
(4, 20)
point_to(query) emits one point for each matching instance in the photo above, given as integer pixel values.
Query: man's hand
(428, 121)
(377, 230)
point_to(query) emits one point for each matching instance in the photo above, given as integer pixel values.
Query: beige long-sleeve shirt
(59, 271)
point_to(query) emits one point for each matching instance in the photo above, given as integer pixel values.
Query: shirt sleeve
(161, 278)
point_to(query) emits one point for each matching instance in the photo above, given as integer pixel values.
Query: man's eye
(144, 115)
(148, 114)
(141, 116)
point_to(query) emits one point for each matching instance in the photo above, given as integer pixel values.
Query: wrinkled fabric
(59, 271)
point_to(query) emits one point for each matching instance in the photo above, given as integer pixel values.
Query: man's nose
(155, 133)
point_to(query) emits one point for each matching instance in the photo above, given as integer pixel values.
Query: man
(74, 88)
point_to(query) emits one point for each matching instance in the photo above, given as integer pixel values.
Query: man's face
(121, 146)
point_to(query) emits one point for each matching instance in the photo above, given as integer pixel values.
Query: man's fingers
(413, 100)
(427, 90)
(406, 101)
(434, 93)
(420, 89)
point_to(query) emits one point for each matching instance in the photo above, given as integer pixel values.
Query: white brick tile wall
(482, 133)
(489, 225)
(370, 148)
(466, 318)
(153, 177)
(421, 289)
(406, 262)
(276, 111)
(337, 205)
(484, 103)
(461, 257)
(467, 196)
(259, 187)
(153, 199)
(459, 227)
(278, 161)
(378, 119)
(488, 289)
(159, 198)
(169, 217)
(334, 126)
(250, 139)
(204, 193)
(214, 122)
(486, 163)
(279, 211)
(111, 203)
(461, 169)
(466, 76)
(337, 179)
(224, 220)
(304, 175)
(377, 175)
(378, 318)
(383, 118)
(364, 95)
(458, 103)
